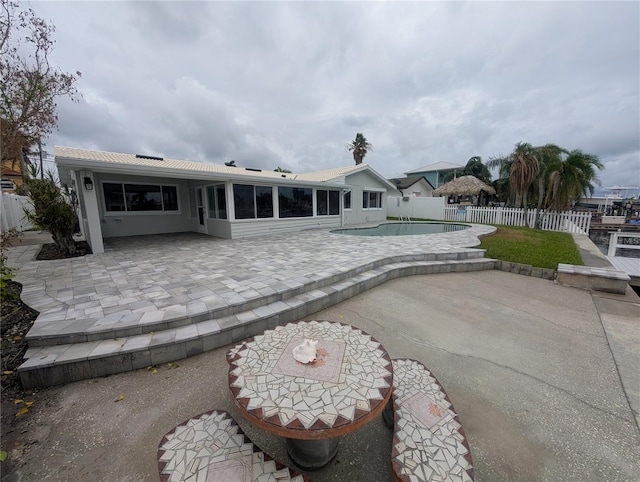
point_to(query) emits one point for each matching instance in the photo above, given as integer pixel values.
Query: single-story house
(413, 186)
(133, 194)
(436, 172)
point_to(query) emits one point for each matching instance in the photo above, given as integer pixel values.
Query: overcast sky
(289, 84)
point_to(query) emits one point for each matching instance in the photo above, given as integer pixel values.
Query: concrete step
(63, 363)
(86, 330)
(596, 279)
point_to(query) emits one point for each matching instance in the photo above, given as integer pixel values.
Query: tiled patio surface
(149, 279)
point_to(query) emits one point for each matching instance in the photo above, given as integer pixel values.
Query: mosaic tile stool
(211, 447)
(428, 441)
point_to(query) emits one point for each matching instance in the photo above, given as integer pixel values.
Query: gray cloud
(290, 84)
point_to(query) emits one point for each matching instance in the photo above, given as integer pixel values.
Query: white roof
(330, 174)
(66, 155)
(436, 166)
(74, 158)
(338, 174)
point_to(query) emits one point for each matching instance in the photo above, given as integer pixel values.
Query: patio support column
(92, 227)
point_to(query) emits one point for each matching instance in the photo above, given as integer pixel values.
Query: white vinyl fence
(434, 208)
(567, 222)
(415, 207)
(12, 212)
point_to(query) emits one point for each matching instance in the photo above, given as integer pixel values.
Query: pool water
(403, 229)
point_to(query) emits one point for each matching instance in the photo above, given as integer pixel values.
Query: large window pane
(143, 197)
(222, 201)
(217, 202)
(334, 202)
(113, 197)
(170, 198)
(295, 202)
(140, 197)
(264, 201)
(322, 200)
(243, 201)
(371, 200)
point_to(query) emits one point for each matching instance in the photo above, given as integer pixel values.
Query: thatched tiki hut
(466, 186)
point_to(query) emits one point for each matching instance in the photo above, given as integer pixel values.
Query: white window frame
(140, 213)
(216, 207)
(344, 201)
(379, 196)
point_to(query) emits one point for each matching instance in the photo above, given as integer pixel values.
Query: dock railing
(614, 244)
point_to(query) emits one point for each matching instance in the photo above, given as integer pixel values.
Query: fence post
(613, 241)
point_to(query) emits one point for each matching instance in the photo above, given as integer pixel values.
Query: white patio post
(89, 197)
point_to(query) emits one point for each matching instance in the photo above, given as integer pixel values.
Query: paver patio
(160, 277)
(148, 284)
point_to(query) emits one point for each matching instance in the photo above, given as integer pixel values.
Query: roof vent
(153, 158)
(252, 169)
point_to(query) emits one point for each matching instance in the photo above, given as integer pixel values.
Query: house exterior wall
(360, 182)
(418, 189)
(132, 224)
(434, 177)
(257, 227)
(98, 223)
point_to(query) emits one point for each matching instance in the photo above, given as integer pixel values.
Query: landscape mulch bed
(51, 251)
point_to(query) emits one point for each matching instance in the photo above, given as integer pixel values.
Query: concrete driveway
(527, 364)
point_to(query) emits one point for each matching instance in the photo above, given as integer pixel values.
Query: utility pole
(41, 167)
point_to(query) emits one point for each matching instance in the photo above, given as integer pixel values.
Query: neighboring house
(413, 186)
(11, 171)
(128, 195)
(436, 172)
(7, 185)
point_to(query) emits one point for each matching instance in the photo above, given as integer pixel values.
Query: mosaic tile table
(311, 405)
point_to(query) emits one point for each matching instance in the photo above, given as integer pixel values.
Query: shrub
(6, 272)
(52, 210)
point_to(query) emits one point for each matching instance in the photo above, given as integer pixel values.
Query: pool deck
(163, 297)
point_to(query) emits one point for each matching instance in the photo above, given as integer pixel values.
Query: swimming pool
(403, 229)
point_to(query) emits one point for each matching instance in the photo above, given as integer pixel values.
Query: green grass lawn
(541, 249)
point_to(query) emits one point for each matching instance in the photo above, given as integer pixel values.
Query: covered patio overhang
(198, 205)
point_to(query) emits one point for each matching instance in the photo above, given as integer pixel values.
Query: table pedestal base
(312, 454)
(387, 415)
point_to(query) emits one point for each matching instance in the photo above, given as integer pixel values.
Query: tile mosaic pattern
(296, 403)
(428, 442)
(212, 448)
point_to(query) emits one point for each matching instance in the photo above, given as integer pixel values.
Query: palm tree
(522, 168)
(571, 178)
(549, 158)
(524, 171)
(501, 185)
(360, 146)
(474, 167)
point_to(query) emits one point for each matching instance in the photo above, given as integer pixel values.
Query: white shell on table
(306, 353)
